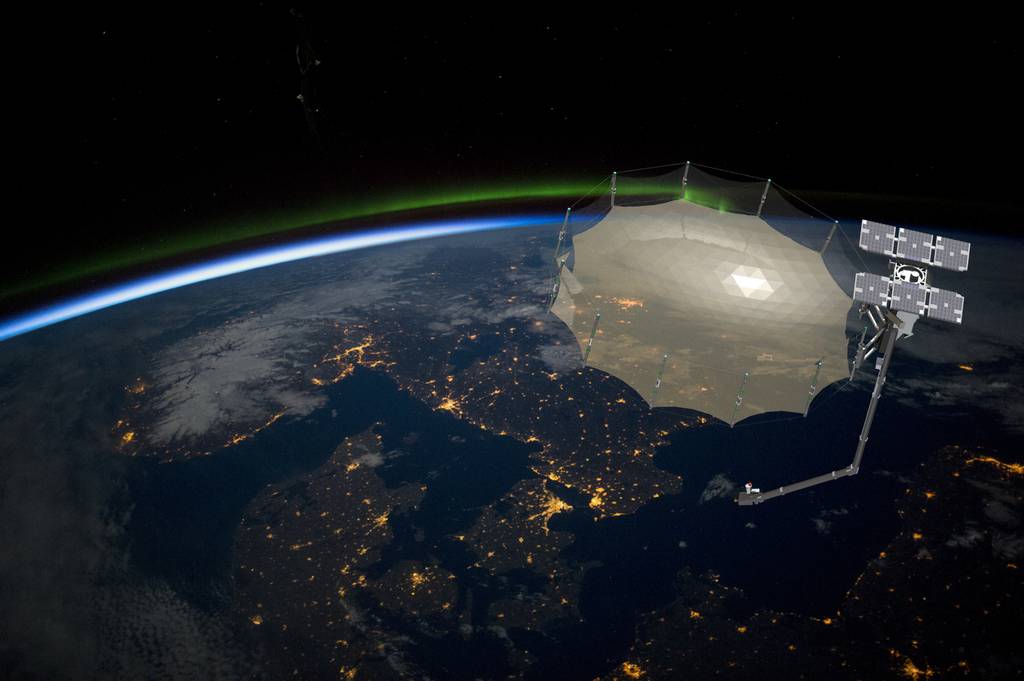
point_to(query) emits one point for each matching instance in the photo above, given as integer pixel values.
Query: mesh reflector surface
(723, 294)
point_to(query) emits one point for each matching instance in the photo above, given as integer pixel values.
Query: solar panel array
(908, 297)
(872, 289)
(913, 245)
(877, 238)
(882, 239)
(952, 254)
(901, 296)
(945, 305)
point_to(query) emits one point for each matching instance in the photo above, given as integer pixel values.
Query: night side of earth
(393, 463)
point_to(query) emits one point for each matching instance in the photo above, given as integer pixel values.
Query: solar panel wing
(876, 237)
(872, 289)
(946, 306)
(914, 245)
(908, 297)
(951, 254)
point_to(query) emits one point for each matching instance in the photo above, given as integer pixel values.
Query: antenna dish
(715, 297)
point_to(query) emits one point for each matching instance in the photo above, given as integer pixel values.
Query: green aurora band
(282, 222)
(330, 211)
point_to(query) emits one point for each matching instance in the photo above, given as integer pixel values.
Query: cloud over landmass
(718, 487)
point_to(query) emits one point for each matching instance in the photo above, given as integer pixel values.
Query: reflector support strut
(590, 343)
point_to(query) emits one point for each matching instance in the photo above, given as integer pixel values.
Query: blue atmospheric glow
(193, 274)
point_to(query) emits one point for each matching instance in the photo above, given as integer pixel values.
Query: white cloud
(718, 487)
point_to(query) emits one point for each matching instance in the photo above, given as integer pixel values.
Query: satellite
(726, 294)
(891, 304)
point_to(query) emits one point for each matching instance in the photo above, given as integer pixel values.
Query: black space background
(141, 122)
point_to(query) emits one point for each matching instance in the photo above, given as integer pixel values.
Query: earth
(392, 464)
